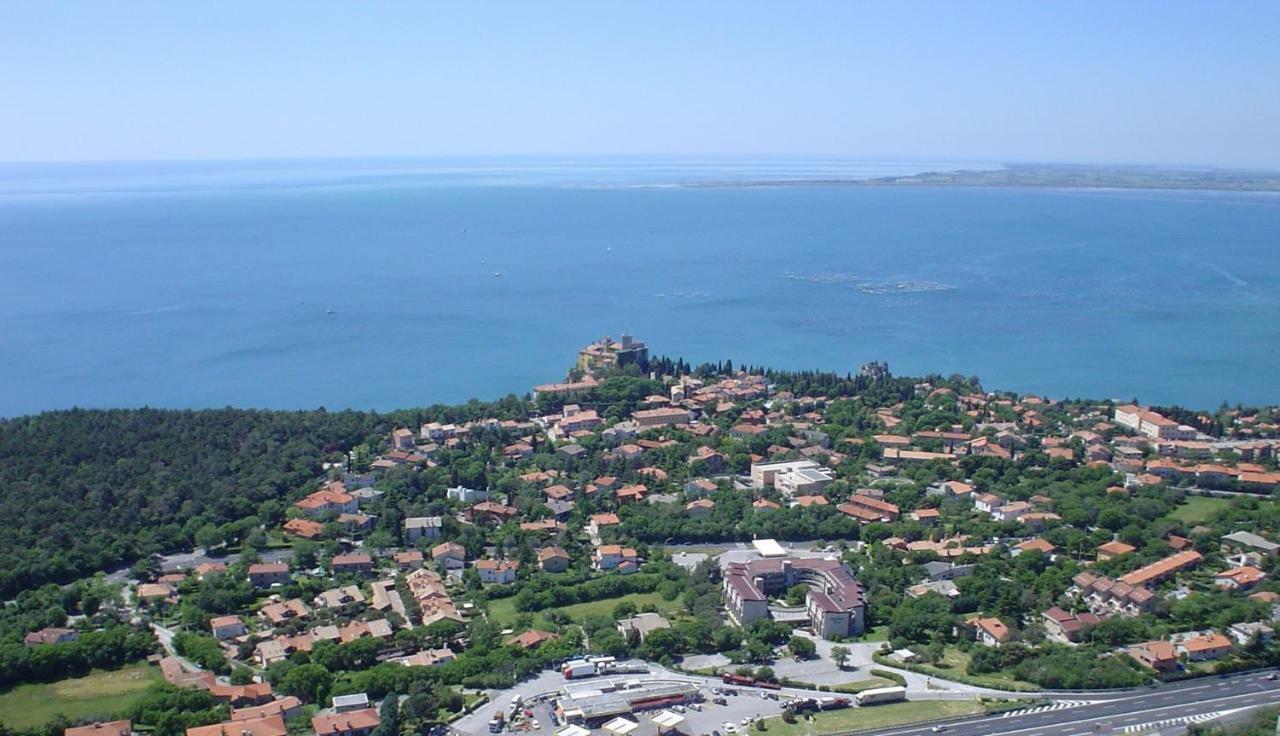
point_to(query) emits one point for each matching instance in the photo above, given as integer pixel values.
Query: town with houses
(645, 545)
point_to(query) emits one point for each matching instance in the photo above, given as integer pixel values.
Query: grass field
(99, 693)
(502, 612)
(876, 633)
(875, 716)
(1199, 509)
(955, 663)
(858, 686)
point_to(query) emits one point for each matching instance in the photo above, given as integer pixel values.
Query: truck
(496, 724)
(580, 668)
(731, 679)
(878, 695)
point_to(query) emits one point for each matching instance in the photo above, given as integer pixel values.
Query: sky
(1165, 82)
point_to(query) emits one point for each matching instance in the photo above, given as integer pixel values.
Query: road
(1120, 713)
(1072, 714)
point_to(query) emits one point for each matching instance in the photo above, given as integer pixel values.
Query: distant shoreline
(1024, 176)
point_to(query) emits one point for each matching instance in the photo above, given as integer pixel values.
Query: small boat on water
(496, 274)
(330, 311)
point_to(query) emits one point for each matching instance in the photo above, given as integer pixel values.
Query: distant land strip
(1059, 176)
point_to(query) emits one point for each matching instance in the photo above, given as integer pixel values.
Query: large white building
(792, 477)
(1151, 424)
(834, 603)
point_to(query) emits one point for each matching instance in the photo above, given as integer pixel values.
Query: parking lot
(739, 707)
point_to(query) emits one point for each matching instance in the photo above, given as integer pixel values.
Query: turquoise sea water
(208, 285)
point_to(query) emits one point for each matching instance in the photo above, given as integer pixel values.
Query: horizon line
(643, 156)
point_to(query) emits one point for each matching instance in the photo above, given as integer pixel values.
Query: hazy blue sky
(1194, 82)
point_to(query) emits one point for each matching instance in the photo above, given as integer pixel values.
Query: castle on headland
(607, 354)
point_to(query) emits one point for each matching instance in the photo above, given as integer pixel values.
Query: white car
(730, 727)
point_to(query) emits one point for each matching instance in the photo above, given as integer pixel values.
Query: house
(1245, 633)
(553, 559)
(352, 564)
(499, 572)
(227, 627)
(1114, 548)
(987, 503)
(332, 499)
(642, 624)
(402, 439)
(926, 517)
(1037, 544)
(662, 417)
(239, 696)
(713, 462)
(410, 559)
(366, 496)
(427, 658)
(267, 574)
(1205, 647)
(347, 596)
(354, 723)
(543, 526)
(377, 629)
(1239, 578)
(1158, 655)
(530, 639)
(699, 488)
(765, 474)
(939, 570)
(279, 614)
(422, 527)
(866, 509)
(264, 726)
(701, 508)
(208, 568)
(49, 635)
(614, 557)
(489, 512)
(600, 522)
(1162, 569)
(305, 528)
(1066, 628)
(449, 555)
(764, 505)
(110, 728)
(465, 496)
(632, 493)
(162, 594)
(990, 632)
(286, 707)
(1249, 542)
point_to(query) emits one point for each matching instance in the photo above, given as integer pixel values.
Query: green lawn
(858, 686)
(502, 612)
(873, 716)
(1199, 509)
(97, 694)
(955, 664)
(876, 633)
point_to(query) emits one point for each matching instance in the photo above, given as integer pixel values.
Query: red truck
(731, 679)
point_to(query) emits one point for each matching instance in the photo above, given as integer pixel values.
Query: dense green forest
(83, 490)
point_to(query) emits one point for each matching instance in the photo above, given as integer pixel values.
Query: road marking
(1107, 717)
(1057, 705)
(1183, 721)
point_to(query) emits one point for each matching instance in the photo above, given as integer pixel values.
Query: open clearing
(98, 693)
(502, 612)
(1199, 509)
(874, 716)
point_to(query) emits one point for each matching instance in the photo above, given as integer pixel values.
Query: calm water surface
(210, 285)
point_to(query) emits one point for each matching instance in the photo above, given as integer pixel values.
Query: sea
(389, 283)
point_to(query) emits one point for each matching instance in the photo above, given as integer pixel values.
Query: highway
(1127, 712)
